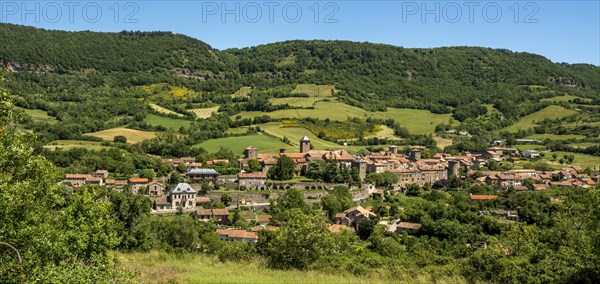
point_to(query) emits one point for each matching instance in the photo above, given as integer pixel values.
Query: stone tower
(415, 155)
(361, 165)
(251, 153)
(304, 145)
(453, 168)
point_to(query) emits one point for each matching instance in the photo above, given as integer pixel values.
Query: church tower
(304, 145)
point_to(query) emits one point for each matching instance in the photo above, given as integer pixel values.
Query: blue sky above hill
(564, 31)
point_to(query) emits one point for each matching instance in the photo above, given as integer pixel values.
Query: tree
(226, 199)
(300, 242)
(181, 168)
(283, 170)
(365, 228)
(337, 200)
(175, 178)
(254, 165)
(120, 139)
(147, 173)
(315, 170)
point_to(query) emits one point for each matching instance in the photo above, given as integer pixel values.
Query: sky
(563, 31)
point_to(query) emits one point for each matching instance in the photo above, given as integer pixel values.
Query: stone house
(252, 180)
(156, 189)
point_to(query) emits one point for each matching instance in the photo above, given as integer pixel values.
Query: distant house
(102, 174)
(199, 175)
(353, 216)
(156, 188)
(531, 154)
(116, 183)
(237, 235)
(222, 215)
(201, 200)
(336, 228)
(78, 180)
(252, 180)
(162, 204)
(135, 184)
(183, 195)
(407, 227)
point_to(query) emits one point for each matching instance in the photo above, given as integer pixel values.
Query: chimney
(282, 150)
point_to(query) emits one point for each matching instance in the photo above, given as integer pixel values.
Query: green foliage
(301, 241)
(120, 139)
(337, 200)
(285, 169)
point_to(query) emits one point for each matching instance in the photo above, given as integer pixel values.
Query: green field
(386, 132)
(161, 267)
(132, 135)
(529, 121)
(38, 116)
(242, 92)
(296, 133)
(295, 101)
(581, 160)
(204, 112)
(160, 109)
(564, 98)
(167, 122)
(315, 90)
(71, 144)
(264, 144)
(416, 121)
(555, 136)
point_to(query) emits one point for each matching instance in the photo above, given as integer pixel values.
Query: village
(247, 189)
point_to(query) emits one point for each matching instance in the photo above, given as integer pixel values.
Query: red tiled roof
(483, 197)
(138, 180)
(252, 175)
(408, 225)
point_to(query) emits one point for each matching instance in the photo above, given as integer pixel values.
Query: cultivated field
(529, 121)
(133, 136)
(295, 101)
(162, 267)
(160, 109)
(71, 144)
(416, 121)
(242, 92)
(264, 144)
(315, 90)
(167, 122)
(38, 116)
(204, 112)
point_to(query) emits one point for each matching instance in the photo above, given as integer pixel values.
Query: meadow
(313, 90)
(162, 267)
(295, 101)
(581, 160)
(171, 123)
(416, 121)
(38, 116)
(71, 144)
(264, 144)
(555, 136)
(242, 92)
(564, 98)
(133, 136)
(529, 121)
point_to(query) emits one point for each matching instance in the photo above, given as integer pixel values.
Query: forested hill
(60, 51)
(370, 76)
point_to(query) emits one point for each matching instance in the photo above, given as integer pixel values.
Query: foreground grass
(160, 267)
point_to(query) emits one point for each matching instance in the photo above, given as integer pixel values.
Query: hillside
(159, 81)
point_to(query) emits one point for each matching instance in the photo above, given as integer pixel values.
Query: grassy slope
(315, 90)
(39, 116)
(416, 121)
(160, 109)
(204, 112)
(264, 143)
(167, 122)
(155, 267)
(70, 144)
(133, 136)
(550, 112)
